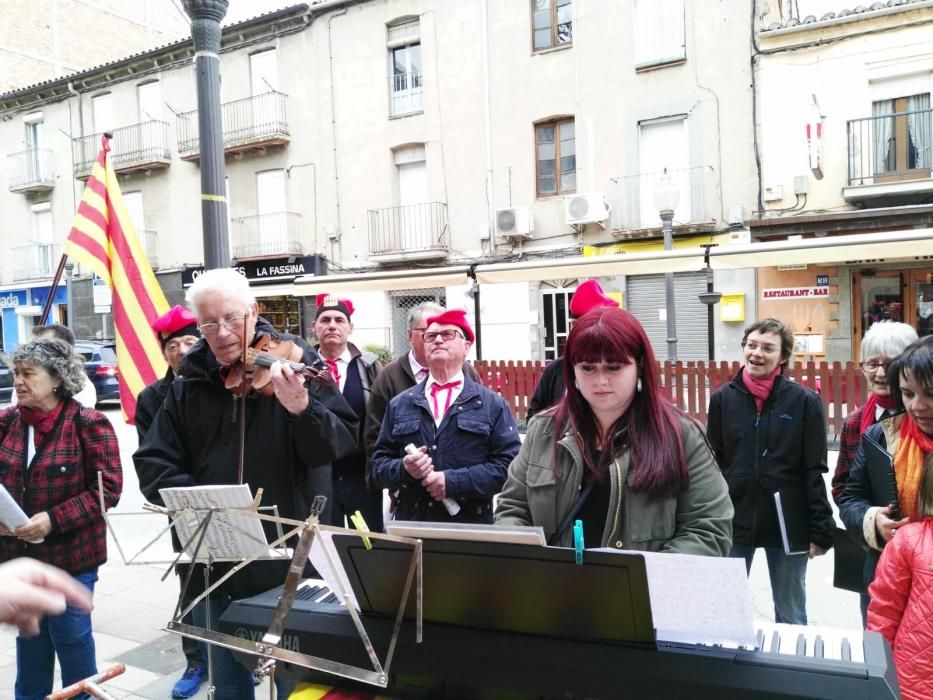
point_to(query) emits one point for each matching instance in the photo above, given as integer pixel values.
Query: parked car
(100, 363)
(6, 378)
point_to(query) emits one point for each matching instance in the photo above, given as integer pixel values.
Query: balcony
(133, 148)
(406, 94)
(266, 235)
(31, 171)
(890, 158)
(634, 214)
(410, 232)
(253, 123)
(150, 239)
(34, 260)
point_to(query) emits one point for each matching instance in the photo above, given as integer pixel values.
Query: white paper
(472, 532)
(330, 574)
(11, 515)
(229, 536)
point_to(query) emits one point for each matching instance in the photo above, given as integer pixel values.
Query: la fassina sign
(794, 293)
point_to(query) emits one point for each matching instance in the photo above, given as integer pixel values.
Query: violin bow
(241, 456)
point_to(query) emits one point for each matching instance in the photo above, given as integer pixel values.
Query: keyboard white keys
(798, 640)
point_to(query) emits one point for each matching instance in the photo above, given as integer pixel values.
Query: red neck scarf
(435, 390)
(40, 421)
(868, 413)
(760, 389)
(334, 370)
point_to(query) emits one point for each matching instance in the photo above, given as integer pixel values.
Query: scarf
(912, 445)
(869, 411)
(40, 421)
(760, 389)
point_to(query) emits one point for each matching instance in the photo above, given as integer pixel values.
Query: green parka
(697, 521)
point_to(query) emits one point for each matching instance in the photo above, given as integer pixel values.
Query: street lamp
(710, 298)
(666, 196)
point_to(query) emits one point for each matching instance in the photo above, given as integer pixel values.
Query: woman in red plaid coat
(51, 452)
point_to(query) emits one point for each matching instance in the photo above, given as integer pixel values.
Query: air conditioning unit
(586, 208)
(517, 223)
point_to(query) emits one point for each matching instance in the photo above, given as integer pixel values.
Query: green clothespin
(578, 545)
(360, 524)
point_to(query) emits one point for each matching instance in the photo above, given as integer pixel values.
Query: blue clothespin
(360, 524)
(578, 541)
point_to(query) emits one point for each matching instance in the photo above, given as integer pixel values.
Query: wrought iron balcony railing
(406, 94)
(412, 229)
(149, 240)
(262, 235)
(633, 199)
(34, 260)
(138, 147)
(31, 170)
(890, 147)
(248, 123)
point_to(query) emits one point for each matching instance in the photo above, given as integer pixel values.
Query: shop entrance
(284, 313)
(891, 295)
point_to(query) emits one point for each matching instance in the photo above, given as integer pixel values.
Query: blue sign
(822, 280)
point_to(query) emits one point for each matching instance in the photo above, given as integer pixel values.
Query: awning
(388, 281)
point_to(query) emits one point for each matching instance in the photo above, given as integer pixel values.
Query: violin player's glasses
(234, 324)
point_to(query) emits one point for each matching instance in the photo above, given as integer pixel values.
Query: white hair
(223, 279)
(887, 338)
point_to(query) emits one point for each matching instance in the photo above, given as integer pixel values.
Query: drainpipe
(333, 118)
(487, 122)
(71, 89)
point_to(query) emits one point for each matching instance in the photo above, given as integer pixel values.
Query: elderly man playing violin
(293, 431)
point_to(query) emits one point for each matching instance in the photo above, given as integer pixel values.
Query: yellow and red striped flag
(103, 238)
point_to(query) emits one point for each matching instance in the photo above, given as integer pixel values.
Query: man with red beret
(587, 296)
(354, 373)
(465, 435)
(177, 331)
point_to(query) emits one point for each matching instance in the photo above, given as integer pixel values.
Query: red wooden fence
(841, 386)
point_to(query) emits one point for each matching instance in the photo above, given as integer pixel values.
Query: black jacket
(194, 440)
(550, 388)
(781, 449)
(149, 402)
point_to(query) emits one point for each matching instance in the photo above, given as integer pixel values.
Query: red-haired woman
(617, 454)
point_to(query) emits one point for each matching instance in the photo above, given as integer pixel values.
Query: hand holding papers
(11, 515)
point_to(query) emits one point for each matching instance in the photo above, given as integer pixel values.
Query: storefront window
(882, 299)
(923, 288)
(284, 313)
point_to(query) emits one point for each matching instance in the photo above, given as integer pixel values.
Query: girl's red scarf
(868, 413)
(760, 389)
(40, 421)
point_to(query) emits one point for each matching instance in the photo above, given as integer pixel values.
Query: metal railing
(408, 228)
(131, 147)
(150, 240)
(890, 146)
(633, 198)
(250, 120)
(31, 170)
(34, 260)
(278, 233)
(406, 93)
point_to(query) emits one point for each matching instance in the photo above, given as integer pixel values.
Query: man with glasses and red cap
(465, 435)
(588, 296)
(353, 372)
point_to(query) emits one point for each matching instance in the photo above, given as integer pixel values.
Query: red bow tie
(435, 388)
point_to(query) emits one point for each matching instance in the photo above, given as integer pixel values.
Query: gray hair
(428, 308)
(223, 279)
(58, 359)
(54, 330)
(887, 338)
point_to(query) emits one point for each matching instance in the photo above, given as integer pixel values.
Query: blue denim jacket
(474, 445)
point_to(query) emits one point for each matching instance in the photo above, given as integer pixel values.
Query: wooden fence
(840, 385)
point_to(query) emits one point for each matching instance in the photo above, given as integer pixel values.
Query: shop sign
(822, 280)
(785, 293)
(267, 269)
(10, 300)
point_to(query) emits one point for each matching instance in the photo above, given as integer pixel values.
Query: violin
(252, 374)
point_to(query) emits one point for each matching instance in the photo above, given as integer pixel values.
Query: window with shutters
(556, 157)
(659, 33)
(551, 24)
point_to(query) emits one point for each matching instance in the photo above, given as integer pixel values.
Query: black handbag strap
(571, 514)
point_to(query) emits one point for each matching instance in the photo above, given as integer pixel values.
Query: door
(149, 96)
(102, 108)
(921, 293)
(271, 207)
(412, 227)
(43, 233)
(663, 146)
(264, 79)
(877, 295)
(134, 205)
(35, 140)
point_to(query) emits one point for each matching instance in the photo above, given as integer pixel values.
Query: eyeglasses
(419, 330)
(446, 336)
(872, 366)
(751, 346)
(234, 324)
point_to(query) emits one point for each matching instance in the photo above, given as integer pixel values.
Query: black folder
(879, 468)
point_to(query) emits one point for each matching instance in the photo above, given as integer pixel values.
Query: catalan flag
(102, 238)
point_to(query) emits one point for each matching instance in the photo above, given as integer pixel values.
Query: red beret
(329, 302)
(453, 317)
(176, 322)
(588, 296)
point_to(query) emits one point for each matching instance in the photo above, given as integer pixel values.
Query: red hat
(588, 296)
(178, 321)
(454, 317)
(329, 302)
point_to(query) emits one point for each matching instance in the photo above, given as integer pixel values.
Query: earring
(638, 385)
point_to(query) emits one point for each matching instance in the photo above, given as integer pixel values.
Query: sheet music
(11, 515)
(229, 536)
(331, 575)
(699, 600)
(473, 532)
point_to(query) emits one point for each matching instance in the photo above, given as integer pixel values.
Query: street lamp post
(710, 298)
(206, 16)
(666, 196)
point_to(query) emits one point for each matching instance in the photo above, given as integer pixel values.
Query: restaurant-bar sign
(780, 293)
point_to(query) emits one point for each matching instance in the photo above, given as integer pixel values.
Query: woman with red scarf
(51, 452)
(769, 437)
(909, 437)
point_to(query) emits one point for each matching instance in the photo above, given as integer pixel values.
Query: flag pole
(48, 302)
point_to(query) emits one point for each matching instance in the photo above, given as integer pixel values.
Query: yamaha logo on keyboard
(289, 641)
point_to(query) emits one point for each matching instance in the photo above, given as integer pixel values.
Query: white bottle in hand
(450, 504)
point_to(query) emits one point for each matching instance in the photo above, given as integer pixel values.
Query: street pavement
(132, 602)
